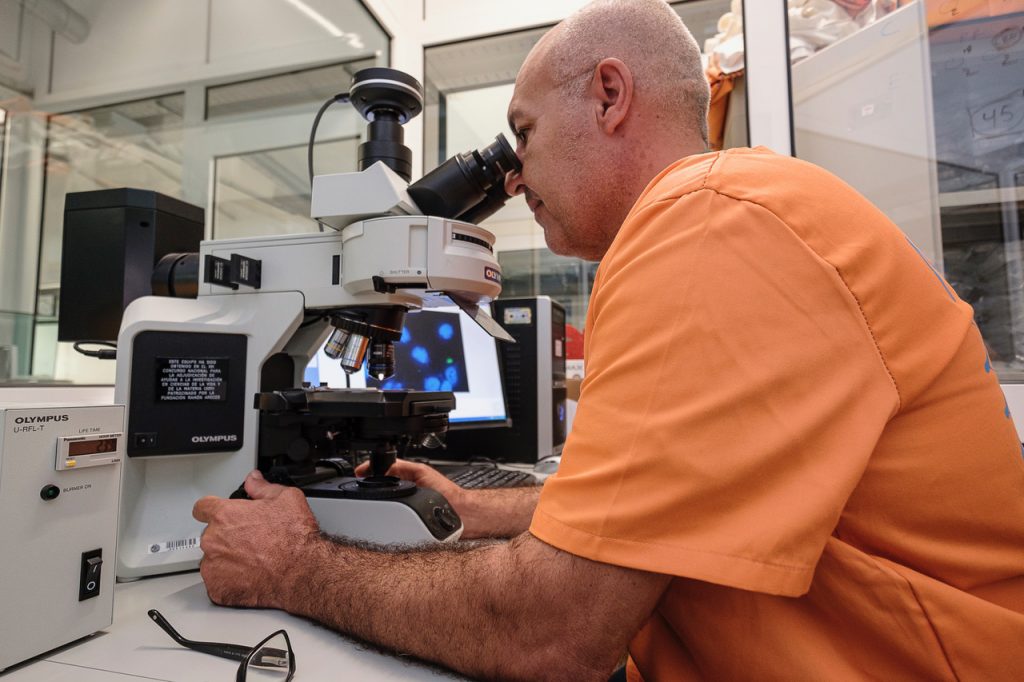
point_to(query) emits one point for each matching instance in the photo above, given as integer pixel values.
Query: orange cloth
(721, 85)
(787, 409)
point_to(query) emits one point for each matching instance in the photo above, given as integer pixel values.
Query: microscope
(211, 371)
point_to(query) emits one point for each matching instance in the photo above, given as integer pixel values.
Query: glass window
(238, 149)
(15, 327)
(718, 28)
(267, 192)
(132, 144)
(468, 85)
(919, 106)
(20, 205)
(282, 91)
(977, 67)
(254, 142)
(262, 189)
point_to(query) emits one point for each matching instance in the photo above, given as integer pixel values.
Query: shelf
(980, 197)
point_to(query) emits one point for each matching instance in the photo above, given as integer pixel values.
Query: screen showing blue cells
(430, 355)
(440, 348)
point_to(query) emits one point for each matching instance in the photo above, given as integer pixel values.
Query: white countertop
(134, 648)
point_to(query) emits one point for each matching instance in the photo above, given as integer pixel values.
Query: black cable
(108, 353)
(343, 97)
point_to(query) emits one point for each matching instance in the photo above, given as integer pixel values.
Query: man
(790, 457)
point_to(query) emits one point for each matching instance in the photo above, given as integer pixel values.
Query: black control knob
(49, 492)
(446, 518)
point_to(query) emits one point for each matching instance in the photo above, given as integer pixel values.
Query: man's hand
(249, 545)
(489, 513)
(422, 475)
(510, 610)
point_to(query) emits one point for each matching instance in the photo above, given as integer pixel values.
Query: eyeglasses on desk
(271, 660)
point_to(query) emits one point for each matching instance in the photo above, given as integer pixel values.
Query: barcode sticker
(173, 545)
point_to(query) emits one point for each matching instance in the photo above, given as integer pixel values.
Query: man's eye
(521, 135)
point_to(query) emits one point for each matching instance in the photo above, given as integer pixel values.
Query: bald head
(651, 39)
(606, 101)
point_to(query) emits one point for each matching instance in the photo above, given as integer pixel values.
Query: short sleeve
(733, 396)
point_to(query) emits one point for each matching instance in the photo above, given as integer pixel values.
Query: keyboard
(475, 476)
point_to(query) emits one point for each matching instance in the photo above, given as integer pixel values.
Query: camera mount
(387, 99)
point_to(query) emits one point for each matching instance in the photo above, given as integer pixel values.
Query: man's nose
(514, 183)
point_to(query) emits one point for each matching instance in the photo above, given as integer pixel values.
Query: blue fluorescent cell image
(429, 355)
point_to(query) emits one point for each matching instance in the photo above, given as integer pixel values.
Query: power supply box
(60, 481)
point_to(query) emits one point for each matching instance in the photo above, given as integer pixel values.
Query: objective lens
(354, 352)
(335, 345)
(381, 363)
(348, 342)
(356, 329)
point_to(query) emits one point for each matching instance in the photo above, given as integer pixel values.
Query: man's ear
(612, 88)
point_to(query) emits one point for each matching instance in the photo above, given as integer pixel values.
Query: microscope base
(422, 516)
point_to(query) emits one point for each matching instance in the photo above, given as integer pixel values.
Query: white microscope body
(189, 370)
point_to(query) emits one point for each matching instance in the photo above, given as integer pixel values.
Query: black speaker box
(113, 238)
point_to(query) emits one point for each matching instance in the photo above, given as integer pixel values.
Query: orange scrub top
(788, 410)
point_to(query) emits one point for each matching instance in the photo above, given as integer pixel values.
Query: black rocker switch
(89, 585)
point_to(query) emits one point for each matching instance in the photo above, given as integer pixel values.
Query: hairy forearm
(498, 512)
(522, 609)
(472, 607)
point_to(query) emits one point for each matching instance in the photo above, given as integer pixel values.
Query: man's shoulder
(717, 171)
(756, 175)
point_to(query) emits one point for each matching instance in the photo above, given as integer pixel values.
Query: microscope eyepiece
(468, 186)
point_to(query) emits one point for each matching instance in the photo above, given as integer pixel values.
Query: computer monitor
(441, 349)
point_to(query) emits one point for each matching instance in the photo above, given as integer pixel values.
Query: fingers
(204, 508)
(409, 471)
(422, 475)
(258, 488)
(400, 468)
